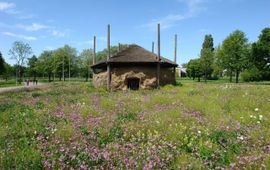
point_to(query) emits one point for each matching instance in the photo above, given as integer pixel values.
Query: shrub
(251, 75)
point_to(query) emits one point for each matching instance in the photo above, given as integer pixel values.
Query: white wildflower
(260, 117)
(241, 137)
(256, 109)
(199, 132)
(258, 122)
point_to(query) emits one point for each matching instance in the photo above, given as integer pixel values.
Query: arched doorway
(133, 83)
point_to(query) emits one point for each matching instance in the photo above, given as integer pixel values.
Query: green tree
(2, 64)
(70, 54)
(217, 64)
(64, 62)
(114, 50)
(84, 63)
(194, 69)
(207, 56)
(45, 64)
(32, 67)
(9, 71)
(20, 51)
(235, 52)
(260, 57)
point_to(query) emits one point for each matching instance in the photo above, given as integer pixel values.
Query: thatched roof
(135, 54)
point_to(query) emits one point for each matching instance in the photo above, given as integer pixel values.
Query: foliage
(20, 51)
(194, 69)
(260, 57)
(207, 56)
(235, 52)
(2, 64)
(85, 62)
(9, 71)
(32, 67)
(251, 74)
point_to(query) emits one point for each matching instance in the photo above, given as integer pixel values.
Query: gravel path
(20, 88)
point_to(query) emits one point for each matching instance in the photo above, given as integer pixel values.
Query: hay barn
(133, 68)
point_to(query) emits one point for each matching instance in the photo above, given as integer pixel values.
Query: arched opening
(133, 83)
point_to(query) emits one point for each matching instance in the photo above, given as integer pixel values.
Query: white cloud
(10, 9)
(165, 22)
(29, 38)
(57, 33)
(4, 6)
(32, 27)
(194, 7)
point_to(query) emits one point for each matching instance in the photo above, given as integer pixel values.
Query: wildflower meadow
(192, 126)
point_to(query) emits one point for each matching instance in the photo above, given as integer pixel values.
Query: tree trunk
(20, 75)
(199, 79)
(230, 76)
(237, 76)
(205, 77)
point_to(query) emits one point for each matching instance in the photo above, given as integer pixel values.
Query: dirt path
(20, 88)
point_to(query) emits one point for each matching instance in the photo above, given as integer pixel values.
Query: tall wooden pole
(153, 47)
(175, 47)
(175, 55)
(94, 50)
(69, 68)
(119, 47)
(108, 58)
(63, 74)
(158, 53)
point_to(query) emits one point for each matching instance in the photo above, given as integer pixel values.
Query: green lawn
(193, 126)
(12, 82)
(9, 83)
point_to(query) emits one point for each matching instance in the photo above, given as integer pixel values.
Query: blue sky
(50, 24)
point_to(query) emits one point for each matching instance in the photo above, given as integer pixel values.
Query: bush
(252, 74)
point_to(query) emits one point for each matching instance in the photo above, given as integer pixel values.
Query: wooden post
(153, 47)
(63, 74)
(175, 54)
(108, 58)
(175, 47)
(69, 68)
(94, 50)
(119, 47)
(158, 53)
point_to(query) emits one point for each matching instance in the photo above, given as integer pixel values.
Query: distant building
(134, 68)
(181, 72)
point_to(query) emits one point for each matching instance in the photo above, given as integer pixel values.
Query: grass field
(193, 126)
